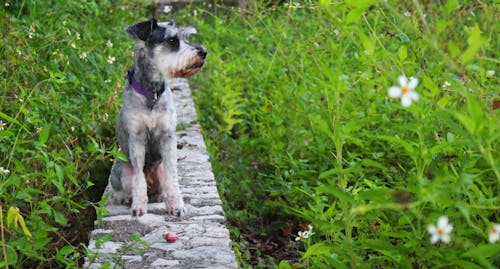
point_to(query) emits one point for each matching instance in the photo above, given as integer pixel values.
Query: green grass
(295, 109)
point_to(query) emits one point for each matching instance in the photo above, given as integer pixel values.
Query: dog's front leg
(169, 184)
(139, 186)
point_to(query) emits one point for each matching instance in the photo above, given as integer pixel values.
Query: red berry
(170, 237)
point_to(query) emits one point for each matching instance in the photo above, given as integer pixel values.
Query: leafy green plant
(62, 70)
(317, 134)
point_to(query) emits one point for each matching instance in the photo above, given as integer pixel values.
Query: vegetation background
(295, 111)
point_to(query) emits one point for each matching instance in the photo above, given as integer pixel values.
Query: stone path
(122, 241)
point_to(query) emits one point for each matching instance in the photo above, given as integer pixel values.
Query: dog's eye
(173, 41)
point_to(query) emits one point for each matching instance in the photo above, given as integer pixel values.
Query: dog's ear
(142, 30)
(186, 32)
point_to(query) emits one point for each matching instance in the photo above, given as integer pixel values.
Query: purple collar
(150, 95)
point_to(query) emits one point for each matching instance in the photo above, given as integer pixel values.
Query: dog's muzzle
(197, 63)
(202, 51)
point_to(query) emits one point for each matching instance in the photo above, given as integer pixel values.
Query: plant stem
(3, 239)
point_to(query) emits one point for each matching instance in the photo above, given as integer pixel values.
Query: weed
(62, 70)
(296, 109)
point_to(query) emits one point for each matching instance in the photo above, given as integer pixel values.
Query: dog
(147, 120)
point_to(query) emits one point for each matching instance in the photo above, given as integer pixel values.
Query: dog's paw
(176, 207)
(139, 208)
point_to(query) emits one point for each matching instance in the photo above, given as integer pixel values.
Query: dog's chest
(160, 119)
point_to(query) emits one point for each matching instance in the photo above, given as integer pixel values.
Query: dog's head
(167, 48)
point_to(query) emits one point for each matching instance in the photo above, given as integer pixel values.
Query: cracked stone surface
(123, 241)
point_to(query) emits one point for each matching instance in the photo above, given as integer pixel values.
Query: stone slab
(203, 239)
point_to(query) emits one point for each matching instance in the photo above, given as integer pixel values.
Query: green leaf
(12, 215)
(11, 256)
(368, 43)
(475, 42)
(15, 219)
(483, 254)
(60, 217)
(403, 53)
(453, 49)
(360, 3)
(382, 246)
(475, 110)
(372, 163)
(322, 126)
(284, 265)
(44, 135)
(379, 195)
(59, 172)
(333, 190)
(407, 146)
(466, 121)
(451, 5)
(429, 84)
(318, 249)
(10, 119)
(354, 15)
(359, 6)
(66, 250)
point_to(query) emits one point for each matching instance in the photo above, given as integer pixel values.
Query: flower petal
(432, 229)
(305, 234)
(448, 228)
(493, 237)
(395, 92)
(442, 222)
(434, 238)
(445, 238)
(403, 81)
(406, 100)
(413, 95)
(413, 83)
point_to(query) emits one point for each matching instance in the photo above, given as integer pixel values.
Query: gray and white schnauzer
(147, 120)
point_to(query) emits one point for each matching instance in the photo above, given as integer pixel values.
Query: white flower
(407, 13)
(494, 234)
(336, 32)
(446, 85)
(167, 9)
(31, 31)
(302, 235)
(490, 73)
(2, 125)
(77, 35)
(4, 171)
(111, 60)
(73, 45)
(83, 55)
(406, 90)
(109, 44)
(442, 231)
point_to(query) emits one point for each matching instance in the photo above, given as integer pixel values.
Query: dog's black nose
(202, 51)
